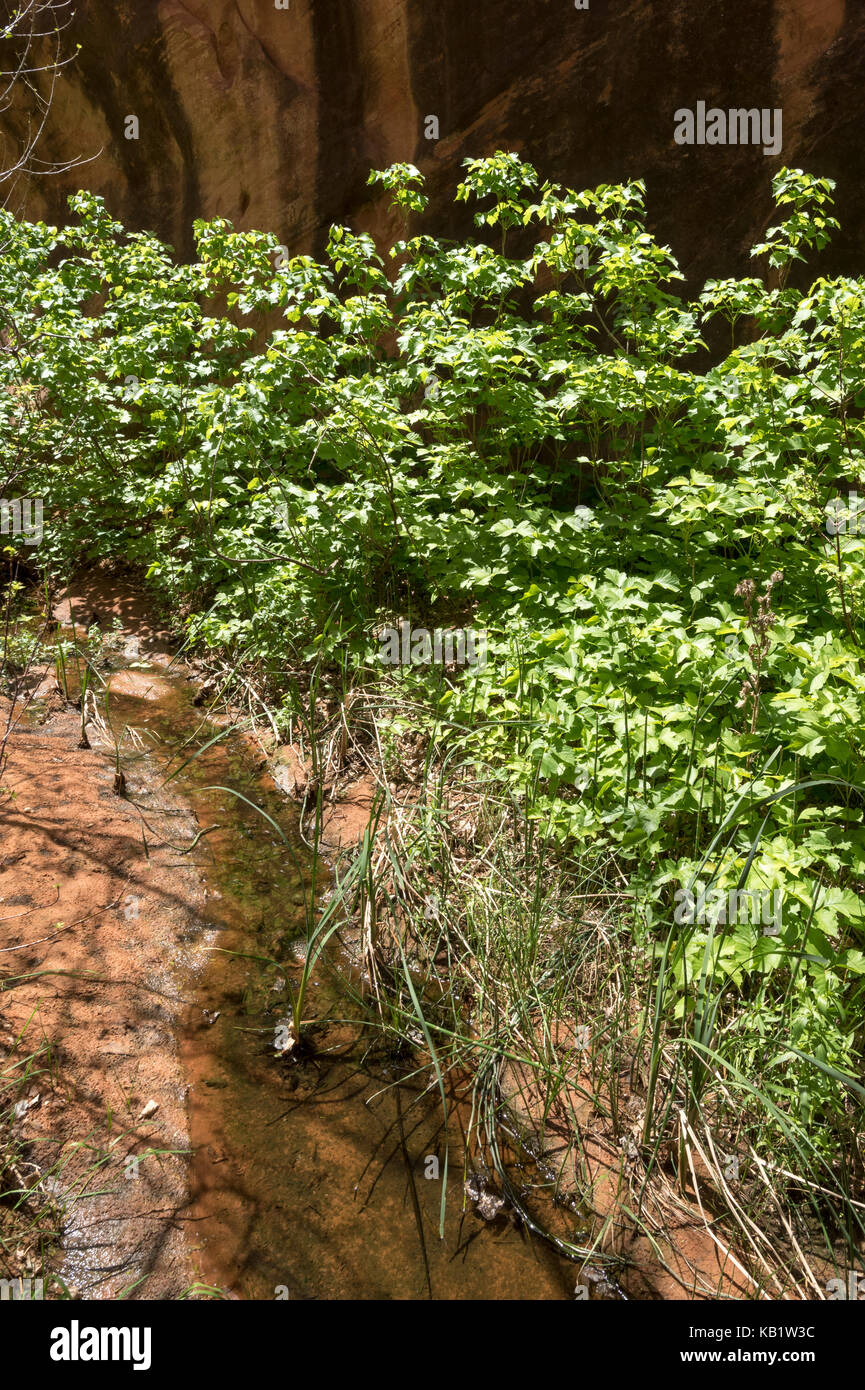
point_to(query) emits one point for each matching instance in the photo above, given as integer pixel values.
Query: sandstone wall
(273, 117)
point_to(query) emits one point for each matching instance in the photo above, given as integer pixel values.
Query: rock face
(273, 116)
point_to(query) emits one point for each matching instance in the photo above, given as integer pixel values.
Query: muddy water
(317, 1178)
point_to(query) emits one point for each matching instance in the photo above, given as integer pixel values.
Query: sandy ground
(100, 937)
(103, 945)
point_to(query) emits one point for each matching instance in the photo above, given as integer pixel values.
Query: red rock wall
(273, 117)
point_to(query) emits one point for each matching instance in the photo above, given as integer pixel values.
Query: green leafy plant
(534, 430)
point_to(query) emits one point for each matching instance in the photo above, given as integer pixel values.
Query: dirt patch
(101, 931)
(605, 1171)
(100, 600)
(347, 817)
(97, 935)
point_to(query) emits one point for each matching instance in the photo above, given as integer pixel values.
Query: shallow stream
(312, 1178)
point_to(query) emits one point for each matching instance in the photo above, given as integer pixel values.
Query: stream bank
(182, 1148)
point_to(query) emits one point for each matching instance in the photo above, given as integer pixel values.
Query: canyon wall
(272, 117)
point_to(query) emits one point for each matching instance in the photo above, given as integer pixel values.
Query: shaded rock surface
(273, 117)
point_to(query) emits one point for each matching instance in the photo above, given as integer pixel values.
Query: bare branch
(34, 50)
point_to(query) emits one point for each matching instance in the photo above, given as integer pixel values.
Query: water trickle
(317, 1177)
